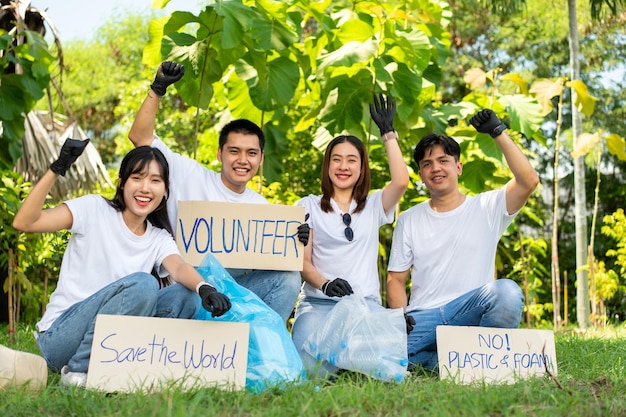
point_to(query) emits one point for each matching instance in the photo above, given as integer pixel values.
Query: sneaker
(73, 379)
(22, 368)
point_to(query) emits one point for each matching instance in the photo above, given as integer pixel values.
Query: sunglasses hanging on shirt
(347, 219)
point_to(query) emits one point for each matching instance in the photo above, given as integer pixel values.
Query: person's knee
(144, 285)
(509, 290)
(510, 300)
(177, 301)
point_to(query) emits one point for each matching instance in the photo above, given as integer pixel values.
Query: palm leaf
(41, 144)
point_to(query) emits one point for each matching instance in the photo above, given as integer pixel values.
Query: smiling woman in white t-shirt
(342, 254)
(107, 265)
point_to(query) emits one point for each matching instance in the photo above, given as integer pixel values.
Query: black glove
(303, 231)
(486, 121)
(410, 323)
(213, 301)
(382, 113)
(168, 73)
(337, 288)
(70, 151)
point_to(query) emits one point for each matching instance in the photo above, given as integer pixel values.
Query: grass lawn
(591, 382)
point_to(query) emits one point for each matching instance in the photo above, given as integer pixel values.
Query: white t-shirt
(100, 251)
(334, 256)
(451, 253)
(192, 181)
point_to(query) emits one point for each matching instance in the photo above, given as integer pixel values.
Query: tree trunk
(12, 325)
(582, 289)
(556, 271)
(591, 257)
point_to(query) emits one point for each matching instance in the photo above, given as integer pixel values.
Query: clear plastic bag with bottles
(360, 337)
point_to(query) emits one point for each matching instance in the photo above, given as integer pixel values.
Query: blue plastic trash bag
(358, 338)
(272, 357)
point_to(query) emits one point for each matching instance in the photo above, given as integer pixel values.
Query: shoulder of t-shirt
(254, 197)
(310, 199)
(87, 199)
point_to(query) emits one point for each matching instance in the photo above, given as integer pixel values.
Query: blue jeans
(310, 314)
(68, 341)
(278, 289)
(497, 304)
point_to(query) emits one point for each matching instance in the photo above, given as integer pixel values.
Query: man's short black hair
(449, 145)
(243, 126)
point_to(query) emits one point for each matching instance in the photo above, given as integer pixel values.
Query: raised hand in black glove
(70, 151)
(486, 121)
(213, 301)
(410, 323)
(382, 113)
(337, 288)
(303, 231)
(168, 73)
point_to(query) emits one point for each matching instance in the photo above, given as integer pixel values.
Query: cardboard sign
(148, 353)
(249, 236)
(468, 354)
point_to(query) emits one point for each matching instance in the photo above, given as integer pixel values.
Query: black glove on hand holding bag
(410, 323)
(213, 301)
(337, 288)
(168, 73)
(70, 151)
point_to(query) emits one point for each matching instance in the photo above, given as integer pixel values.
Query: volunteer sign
(468, 354)
(250, 236)
(148, 353)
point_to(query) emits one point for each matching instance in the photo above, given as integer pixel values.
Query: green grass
(591, 382)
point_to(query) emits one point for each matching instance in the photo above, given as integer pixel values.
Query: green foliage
(606, 282)
(311, 66)
(615, 227)
(12, 189)
(24, 75)
(99, 74)
(530, 271)
(590, 382)
(35, 256)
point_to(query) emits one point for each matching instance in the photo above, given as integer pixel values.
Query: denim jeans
(310, 314)
(68, 341)
(497, 304)
(278, 289)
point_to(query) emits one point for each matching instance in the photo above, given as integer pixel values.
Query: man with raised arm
(240, 151)
(448, 244)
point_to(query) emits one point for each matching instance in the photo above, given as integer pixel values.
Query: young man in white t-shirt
(240, 151)
(448, 244)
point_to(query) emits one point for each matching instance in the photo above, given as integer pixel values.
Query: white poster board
(488, 354)
(249, 236)
(147, 353)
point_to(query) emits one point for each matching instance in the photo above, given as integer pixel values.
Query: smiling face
(344, 168)
(144, 192)
(241, 157)
(440, 171)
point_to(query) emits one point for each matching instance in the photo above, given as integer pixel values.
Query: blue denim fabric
(497, 304)
(68, 341)
(278, 289)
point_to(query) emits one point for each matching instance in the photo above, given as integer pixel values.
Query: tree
(24, 75)
(597, 7)
(312, 67)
